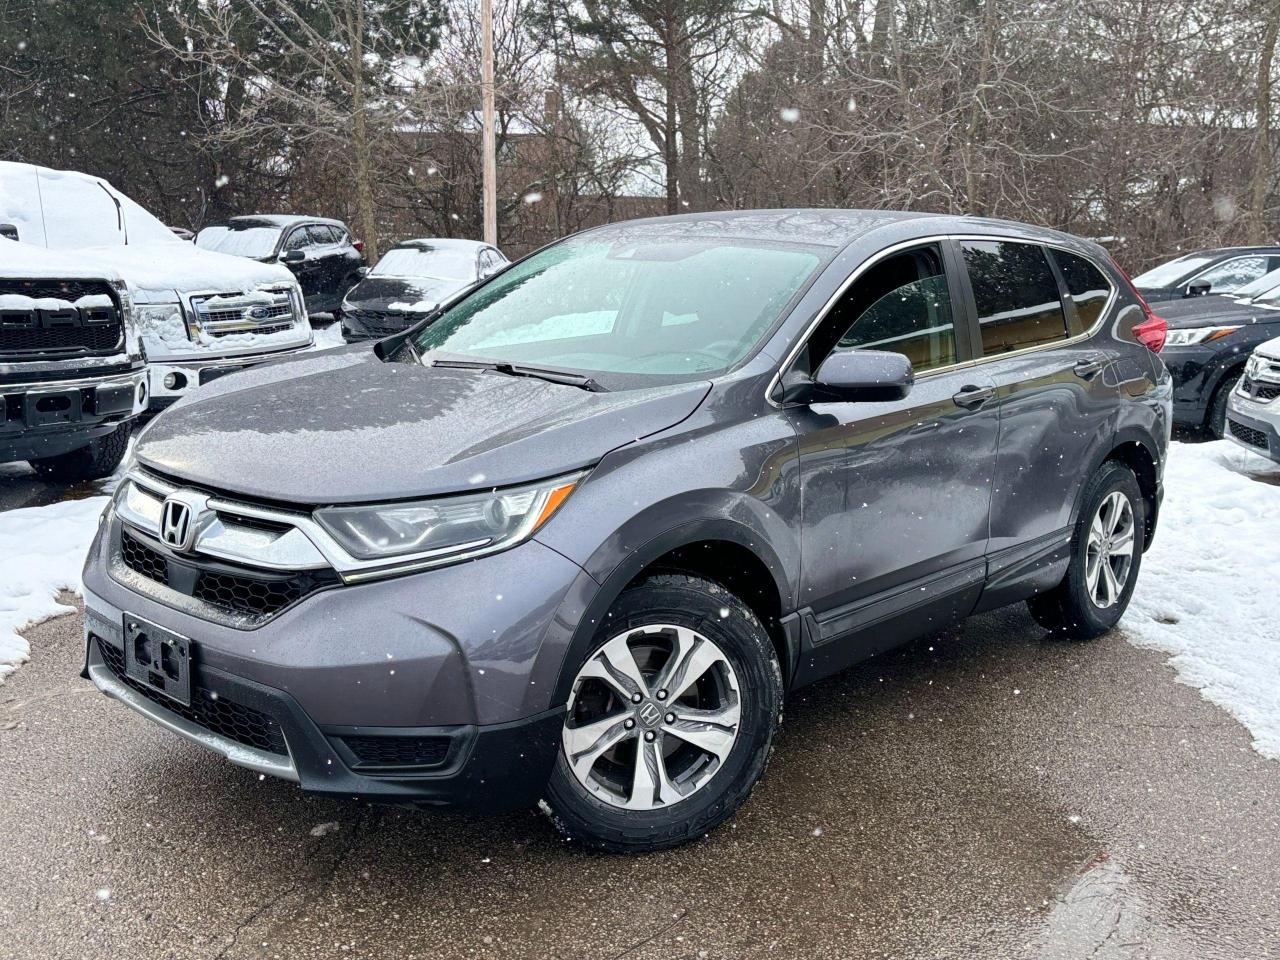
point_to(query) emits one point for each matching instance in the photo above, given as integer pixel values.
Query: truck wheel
(1106, 552)
(98, 458)
(670, 719)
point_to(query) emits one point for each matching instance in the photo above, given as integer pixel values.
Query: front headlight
(162, 321)
(447, 527)
(1193, 335)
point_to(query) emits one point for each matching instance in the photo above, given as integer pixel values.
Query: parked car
(72, 375)
(200, 314)
(412, 280)
(319, 252)
(1210, 338)
(1206, 271)
(1253, 412)
(576, 538)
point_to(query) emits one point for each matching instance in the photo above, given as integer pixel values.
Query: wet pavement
(986, 793)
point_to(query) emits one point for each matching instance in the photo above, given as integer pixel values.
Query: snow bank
(1209, 588)
(43, 550)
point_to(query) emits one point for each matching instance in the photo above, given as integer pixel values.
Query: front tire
(1217, 422)
(95, 460)
(670, 719)
(1106, 553)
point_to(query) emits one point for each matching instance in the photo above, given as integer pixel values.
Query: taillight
(359, 245)
(1153, 330)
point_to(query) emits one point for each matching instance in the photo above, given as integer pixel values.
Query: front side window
(1232, 274)
(1016, 294)
(298, 240)
(647, 309)
(903, 305)
(1088, 286)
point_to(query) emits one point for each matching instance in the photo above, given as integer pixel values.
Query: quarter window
(1016, 294)
(1089, 288)
(902, 305)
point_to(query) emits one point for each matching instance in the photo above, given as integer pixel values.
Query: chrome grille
(224, 315)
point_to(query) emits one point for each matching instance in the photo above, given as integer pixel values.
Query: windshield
(440, 263)
(1167, 274)
(666, 310)
(1264, 284)
(240, 239)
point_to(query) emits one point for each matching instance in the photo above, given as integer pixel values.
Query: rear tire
(1217, 423)
(1096, 589)
(98, 458)
(651, 788)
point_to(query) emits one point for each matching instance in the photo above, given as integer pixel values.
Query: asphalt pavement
(985, 793)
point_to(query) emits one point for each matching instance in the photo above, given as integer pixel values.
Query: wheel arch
(715, 549)
(1137, 452)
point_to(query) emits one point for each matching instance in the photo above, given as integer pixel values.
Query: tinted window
(902, 305)
(1088, 286)
(1232, 274)
(1016, 295)
(320, 234)
(298, 240)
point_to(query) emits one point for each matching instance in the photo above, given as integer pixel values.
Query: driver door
(896, 496)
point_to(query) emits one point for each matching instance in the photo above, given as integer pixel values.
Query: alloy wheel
(1109, 550)
(653, 715)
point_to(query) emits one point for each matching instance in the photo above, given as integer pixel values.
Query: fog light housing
(174, 381)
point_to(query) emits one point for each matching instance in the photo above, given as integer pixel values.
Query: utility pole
(488, 143)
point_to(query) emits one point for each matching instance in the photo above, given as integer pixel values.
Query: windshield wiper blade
(579, 380)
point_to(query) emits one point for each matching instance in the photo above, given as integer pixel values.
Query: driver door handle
(971, 396)
(1089, 367)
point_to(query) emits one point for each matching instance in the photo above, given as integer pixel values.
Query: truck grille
(41, 318)
(225, 315)
(215, 712)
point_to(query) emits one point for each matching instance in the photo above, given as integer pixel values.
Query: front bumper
(1254, 426)
(173, 379)
(50, 417)
(463, 658)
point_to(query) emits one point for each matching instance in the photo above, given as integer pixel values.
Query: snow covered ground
(1209, 589)
(1208, 593)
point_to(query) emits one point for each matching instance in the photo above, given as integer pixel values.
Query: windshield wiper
(579, 380)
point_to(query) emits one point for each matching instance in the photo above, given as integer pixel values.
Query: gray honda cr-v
(576, 535)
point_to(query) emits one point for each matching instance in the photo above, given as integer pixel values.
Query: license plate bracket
(157, 658)
(53, 406)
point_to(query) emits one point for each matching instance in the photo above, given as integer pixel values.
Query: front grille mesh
(1258, 390)
(398, 751)
(72, 333)
(381, 323)
(241, 594)
(213, 711)
(1254, 438)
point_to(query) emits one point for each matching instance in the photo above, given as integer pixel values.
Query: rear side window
(1089, 288)
(902, 305)
(1016, 295)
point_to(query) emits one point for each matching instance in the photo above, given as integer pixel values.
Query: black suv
(319, 252)
(585, 529)
(1224, 270)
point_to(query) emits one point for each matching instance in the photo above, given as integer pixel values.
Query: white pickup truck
(200, 314)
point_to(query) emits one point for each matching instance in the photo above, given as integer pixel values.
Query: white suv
(201, 314)
(1253, 412)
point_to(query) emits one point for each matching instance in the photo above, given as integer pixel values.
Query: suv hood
(1211, 309)
(160, 271)
(29, 261)
(342, 426)
(402, 294)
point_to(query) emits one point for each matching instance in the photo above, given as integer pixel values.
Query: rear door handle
(1089, 367)
(972, 396)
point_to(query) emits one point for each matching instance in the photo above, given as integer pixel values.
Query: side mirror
(362, 272)
(293, 256)
(862, 376)
(1199, 288)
